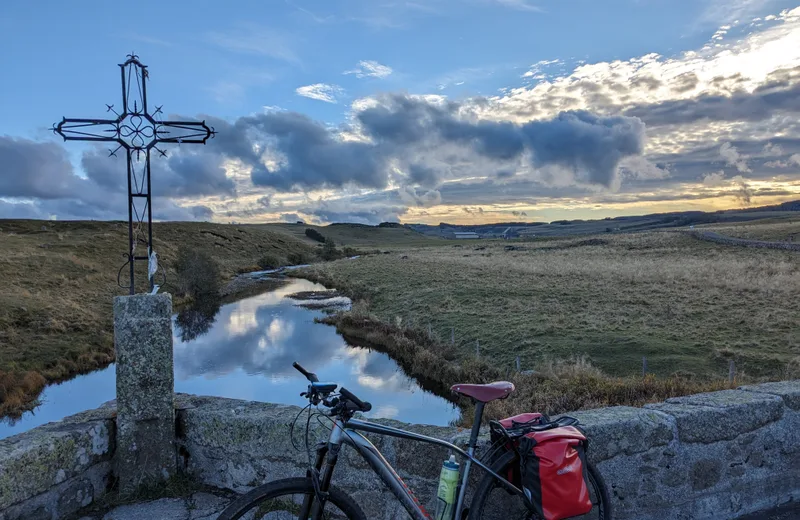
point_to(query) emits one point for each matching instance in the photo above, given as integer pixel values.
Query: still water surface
(245, 350)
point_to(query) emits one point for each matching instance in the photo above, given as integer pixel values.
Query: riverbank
(557, 387)
(689, 307)
(59, 281)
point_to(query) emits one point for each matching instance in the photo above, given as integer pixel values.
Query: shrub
(349, 251)
(313, 234)
(198, 274)
(329, 251)
(269, 261)
(297, 258)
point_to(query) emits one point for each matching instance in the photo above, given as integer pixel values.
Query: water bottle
(448, 483)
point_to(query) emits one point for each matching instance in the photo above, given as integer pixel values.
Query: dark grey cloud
(201, 212)
(315, 156)
(684, 82)
(291, 217)
(39, 182)
(590, 146)
(180, 174)
(778, 95)
(647, 81)
(587, 145)
(35, 169)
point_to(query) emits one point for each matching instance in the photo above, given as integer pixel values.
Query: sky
(413, 111)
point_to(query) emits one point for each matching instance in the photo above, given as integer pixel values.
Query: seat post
(473, 440)
(476, 425)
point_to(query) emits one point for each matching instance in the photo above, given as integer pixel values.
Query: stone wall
(716, 455)
(54, 470)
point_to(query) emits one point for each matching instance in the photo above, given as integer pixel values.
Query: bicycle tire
(501, 466)
(290, 486)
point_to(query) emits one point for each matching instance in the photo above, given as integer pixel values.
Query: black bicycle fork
(327, 455)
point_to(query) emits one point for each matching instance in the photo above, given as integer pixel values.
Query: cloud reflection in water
(248, 353)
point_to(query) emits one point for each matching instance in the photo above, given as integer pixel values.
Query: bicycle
(314, 497)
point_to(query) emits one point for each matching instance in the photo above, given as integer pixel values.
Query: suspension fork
(321, 475)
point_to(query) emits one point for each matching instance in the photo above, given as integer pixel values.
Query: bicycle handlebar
(311, 376)
(344, 393)
(362, 405)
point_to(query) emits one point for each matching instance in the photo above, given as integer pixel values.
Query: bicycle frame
(348, 433)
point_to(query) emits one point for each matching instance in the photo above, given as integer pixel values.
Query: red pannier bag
(502, 439)
(553, 472)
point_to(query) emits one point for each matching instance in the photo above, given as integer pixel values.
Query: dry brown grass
(688, 306)
(785, 229)
(557, 386)
(59, 279)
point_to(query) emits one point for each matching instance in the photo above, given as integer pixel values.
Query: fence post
(518, 364)
(477, 348)
(430, 331)
(731, 372)
(644, 366)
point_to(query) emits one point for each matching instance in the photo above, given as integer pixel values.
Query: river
(245, 350)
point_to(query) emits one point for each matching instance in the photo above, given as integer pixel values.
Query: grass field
(688, 306)
(784, 229)
(59, 279)
(360, 236)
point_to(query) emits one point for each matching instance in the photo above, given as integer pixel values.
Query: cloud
(38, 181)
(320, 92)
(685, 82)
(761, 104)
(519, 5)
(291, 218)
(370, 69)
(714, 179)
(343, 210)
(587, 147)
(639, 167)
(743, 192)
(309, 154)
(411, 197)
(732, 157)
(182, 173)
(258, 40)
(35, 169)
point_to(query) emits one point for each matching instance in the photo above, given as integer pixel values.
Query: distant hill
(609, 225)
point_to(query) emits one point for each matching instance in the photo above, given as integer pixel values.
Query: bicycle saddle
(484, 393)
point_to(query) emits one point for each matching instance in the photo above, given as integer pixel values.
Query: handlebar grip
(362, 405)
(311, 376)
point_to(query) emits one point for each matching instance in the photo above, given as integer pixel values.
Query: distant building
(510, 233)
(465, 235)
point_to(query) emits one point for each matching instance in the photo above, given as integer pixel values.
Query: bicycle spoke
(502, 505)
(288, 507)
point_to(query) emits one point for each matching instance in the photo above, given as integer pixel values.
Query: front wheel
(284, 499)
(492, 501)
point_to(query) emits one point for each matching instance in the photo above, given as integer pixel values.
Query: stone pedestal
(145, 451)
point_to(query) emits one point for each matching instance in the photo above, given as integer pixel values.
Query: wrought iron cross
(138, 132)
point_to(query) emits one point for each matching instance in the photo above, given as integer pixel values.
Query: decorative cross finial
(138, 132)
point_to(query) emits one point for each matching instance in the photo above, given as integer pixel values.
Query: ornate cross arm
(183, 132)
(87, 129)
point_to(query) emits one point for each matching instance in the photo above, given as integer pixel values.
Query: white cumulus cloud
(321, 92)
(370, 69)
